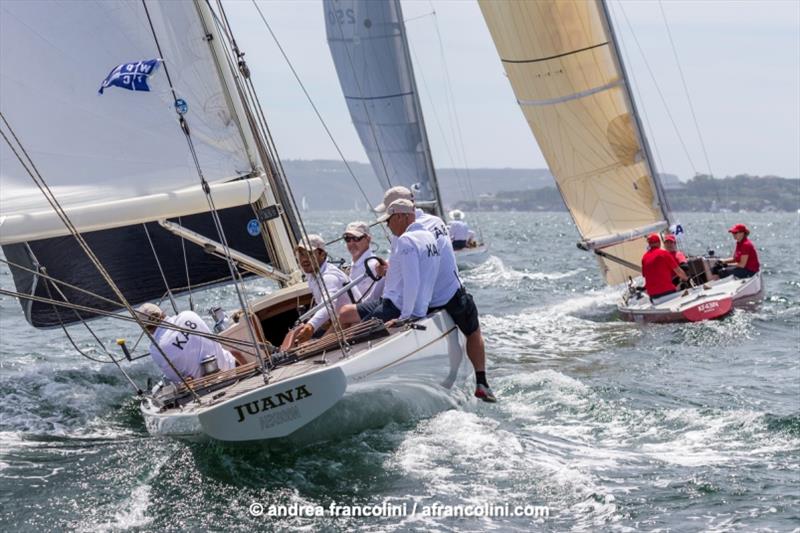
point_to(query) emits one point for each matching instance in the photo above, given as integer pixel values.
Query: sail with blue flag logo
(133, 76)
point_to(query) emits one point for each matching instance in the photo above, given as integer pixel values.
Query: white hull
(712, 300)
(302, 391)
(470, 257)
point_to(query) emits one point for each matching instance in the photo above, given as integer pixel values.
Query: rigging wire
(454, 115)
(642, 109)
(238, 344)
(685, 88)
(186, 269)
(337, 326)
(311, 101)
(465, 183)
(160, 269)
(210, 200)
(33, 173)
(658, 89)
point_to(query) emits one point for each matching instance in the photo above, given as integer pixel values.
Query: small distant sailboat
(304, 204)
(370, 50)
(564, 66)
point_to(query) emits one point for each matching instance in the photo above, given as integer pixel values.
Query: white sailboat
(370, 51)
(564, 66)
(167, 201)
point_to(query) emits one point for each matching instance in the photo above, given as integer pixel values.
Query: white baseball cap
(401, 205)
(357, 229)
(395, 193)
(314, 242)
(150, 312)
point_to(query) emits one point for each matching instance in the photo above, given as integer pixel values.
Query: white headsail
(117, 160)
(564, 66)
(369, 48)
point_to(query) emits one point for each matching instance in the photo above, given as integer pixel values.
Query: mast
(643, 141)
(279, 239)
(438, 209)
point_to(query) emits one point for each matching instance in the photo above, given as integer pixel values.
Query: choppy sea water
(610, 425)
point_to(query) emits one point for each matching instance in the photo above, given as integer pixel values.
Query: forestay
(565, 70)
(368, 43)
(95, 148)
(119, 160)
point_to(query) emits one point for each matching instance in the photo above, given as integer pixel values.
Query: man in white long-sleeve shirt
(184, 351)
(357, 239)
(412, 271)
(460, 234)
(449, 293)
(311, 253)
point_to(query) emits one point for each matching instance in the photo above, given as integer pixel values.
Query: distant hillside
(702, 193)
(327, 185)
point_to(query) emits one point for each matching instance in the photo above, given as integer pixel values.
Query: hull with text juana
(238, 405)
(198, 199)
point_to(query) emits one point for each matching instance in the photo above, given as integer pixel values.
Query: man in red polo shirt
(745, 258)
(671, 245)
(658, 268)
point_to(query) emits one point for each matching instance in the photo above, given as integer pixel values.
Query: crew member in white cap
(357, 238)
(449, 293)
(310, 254)
(460, 234)
(184, 350)
(412, 271)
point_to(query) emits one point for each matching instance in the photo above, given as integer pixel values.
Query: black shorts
(463, 311)
(383, 309)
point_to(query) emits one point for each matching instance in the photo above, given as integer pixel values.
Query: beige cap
(357, 229)
(314, 242)
(395, 193)
(150, 312)
(398, 206)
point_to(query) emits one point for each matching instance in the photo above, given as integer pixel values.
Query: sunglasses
(350, 238)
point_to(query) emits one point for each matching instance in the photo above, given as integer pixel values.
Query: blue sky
(741, 61)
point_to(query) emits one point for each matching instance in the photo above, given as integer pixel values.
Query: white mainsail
(566, 72)
(120, 145)
(368, 43)
(118, 160)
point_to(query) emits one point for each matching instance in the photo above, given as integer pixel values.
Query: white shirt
(447, 281)
(185, 351)
(369, 289)
(459, 231)
(412, 271)
(334, 279)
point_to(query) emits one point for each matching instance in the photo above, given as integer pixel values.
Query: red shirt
(745, 247)
(679, 257)
(658, 269)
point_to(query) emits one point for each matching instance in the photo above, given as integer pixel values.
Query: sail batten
(563, 65)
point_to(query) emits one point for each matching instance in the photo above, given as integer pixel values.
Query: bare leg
(239, 356)
(348, 315)
(476, 351)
